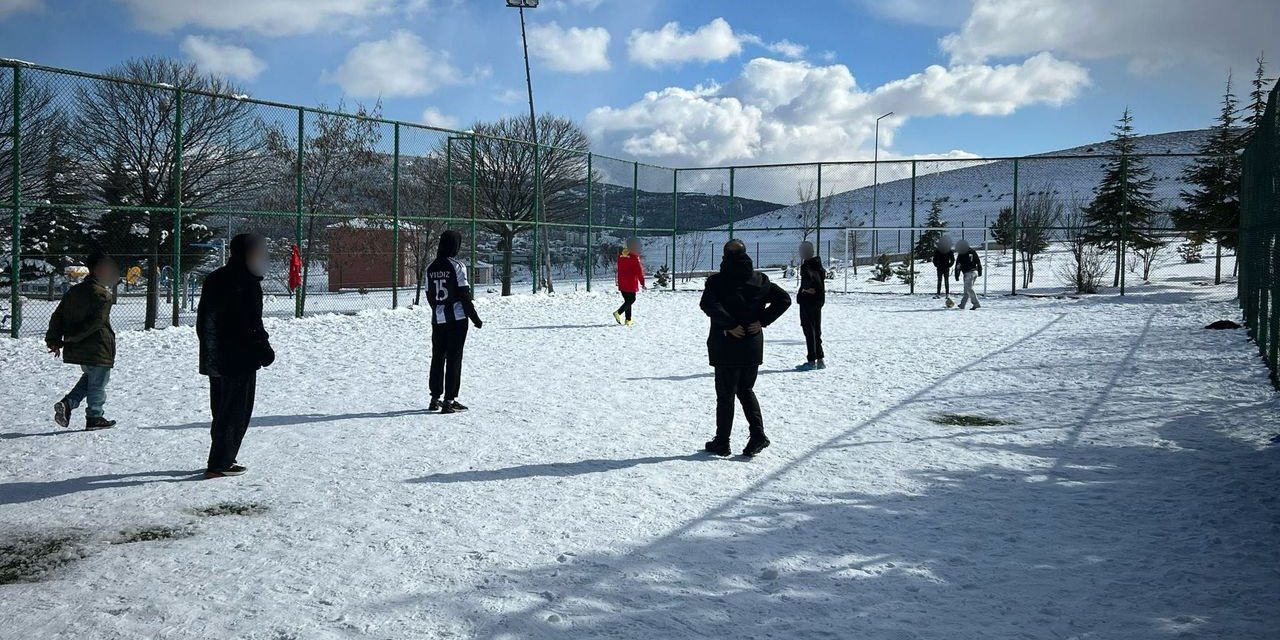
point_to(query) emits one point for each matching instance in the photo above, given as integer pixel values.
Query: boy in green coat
(80, 331)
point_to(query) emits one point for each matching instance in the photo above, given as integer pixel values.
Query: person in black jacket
(811, 297)
(451, 307)
(233, 346)
(740, 302)
(80, 331)
(944, 257)
(969, 266)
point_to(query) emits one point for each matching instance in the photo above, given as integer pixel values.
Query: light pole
(521, 5)
(875, 183)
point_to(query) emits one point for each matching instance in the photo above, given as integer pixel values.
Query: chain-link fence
(161, 167)
(1260, 236)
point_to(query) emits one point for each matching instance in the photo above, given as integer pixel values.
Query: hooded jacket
(968, 261)
(81, 325)
(448, 291)
(812, 276)
(943, 259)
(233, 341)
(736, 297)
(630, 272)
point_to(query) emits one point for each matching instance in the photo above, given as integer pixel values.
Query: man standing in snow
(811, 297)
(943, 259)
(740, 302)
(969, 266)
(233, 346)
(630, 279)
(80, 331)
(449, 293)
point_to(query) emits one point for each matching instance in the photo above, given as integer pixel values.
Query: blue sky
(711, 81)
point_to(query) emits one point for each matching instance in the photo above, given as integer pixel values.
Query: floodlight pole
(533, 132)
(875, 183)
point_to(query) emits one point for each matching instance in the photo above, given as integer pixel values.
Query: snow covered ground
(1131, 495)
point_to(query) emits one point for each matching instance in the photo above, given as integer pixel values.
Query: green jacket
(81, 326)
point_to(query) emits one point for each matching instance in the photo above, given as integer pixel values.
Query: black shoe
(98, 423)
(234, 470)
(718, 447)
(755, 445)
(62, 414)
(435, 405)
(452, 406)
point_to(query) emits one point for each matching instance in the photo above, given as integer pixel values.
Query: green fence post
(818, 243)
(300, 294)
(675, 221)
(732, 200)
(590, 258)
(176, 284)
(395, 218)
(1013, 282)
(473, 205)
(911, 257)
(635, 198)
(15, 255)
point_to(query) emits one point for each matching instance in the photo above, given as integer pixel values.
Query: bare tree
(506, 176)
(125, 131)
(1038, 212)
(336, 151)
(1087, 268)
(41, 118)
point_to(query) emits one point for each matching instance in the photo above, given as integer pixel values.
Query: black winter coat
(943, 260)
(229, 323)
(812, 276)
(732, 303)
(967, 262)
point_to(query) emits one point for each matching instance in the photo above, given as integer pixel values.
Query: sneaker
(976, 306)
(617, 317)
(630, 323)
(717, 447)
(755, 445)
(98, 423)
(435, 405)
(62, 413)
(452, 406)
(821, 364)
(808, 366)
(234, 470)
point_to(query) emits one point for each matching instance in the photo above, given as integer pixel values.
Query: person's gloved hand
(267, 357)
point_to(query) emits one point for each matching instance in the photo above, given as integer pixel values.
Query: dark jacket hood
(242, 245)
(737, 267)
(450, 244)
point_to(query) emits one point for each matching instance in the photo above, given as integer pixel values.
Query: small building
(360, 256)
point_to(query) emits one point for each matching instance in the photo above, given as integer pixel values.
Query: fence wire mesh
(161, 176)
(1260, 236)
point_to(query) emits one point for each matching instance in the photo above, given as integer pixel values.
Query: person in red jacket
(630, 279)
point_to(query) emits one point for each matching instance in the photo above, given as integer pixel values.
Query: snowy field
(1131, 494)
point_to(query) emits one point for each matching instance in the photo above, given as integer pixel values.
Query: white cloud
(438, 118)
(935, 13)
(784, 48)
(11, 7)
(573, 5)
(573, 50)
(219, 58)
(1148, 34)
(267, 17)
(670, 45)
(778, 111)
(400, 65)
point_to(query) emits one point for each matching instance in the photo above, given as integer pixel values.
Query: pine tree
(1123, 207)
(928, 240)
(1002, 228)
(1213, 202)
(1257, 98)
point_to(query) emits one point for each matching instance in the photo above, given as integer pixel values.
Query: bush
(663, 277)
(883, 270)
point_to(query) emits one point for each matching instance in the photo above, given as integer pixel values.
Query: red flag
(295, 269)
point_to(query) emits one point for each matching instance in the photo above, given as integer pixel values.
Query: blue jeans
(93, 387)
